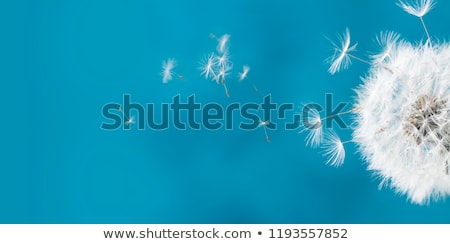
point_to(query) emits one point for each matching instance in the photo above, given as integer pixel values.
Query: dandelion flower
(341, 56)
(402, 116)
(334, 149)
(411, 148)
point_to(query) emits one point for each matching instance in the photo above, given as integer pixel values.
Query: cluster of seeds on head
(415, 118)
(427, 123)
(423, 120)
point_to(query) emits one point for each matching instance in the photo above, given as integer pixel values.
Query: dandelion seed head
(403, 126)
(402, 120)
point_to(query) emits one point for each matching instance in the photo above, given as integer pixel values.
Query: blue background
(61, 61)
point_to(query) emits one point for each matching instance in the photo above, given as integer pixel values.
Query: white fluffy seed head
(403, 126)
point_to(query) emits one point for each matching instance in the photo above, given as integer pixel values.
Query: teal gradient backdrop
(61, 61)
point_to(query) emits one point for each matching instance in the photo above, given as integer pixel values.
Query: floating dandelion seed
(402, 114)
(223, 60)
(218, 66)
(207, 66)
(167, 67)
(315, 135)
(418, 9)
(223, 73)
(167, 70)
(334, 149)
(243, 76)
(341, 56)
(222, 42)
(314, 126)
(386, 41)
(128, 120)
(263, 124)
